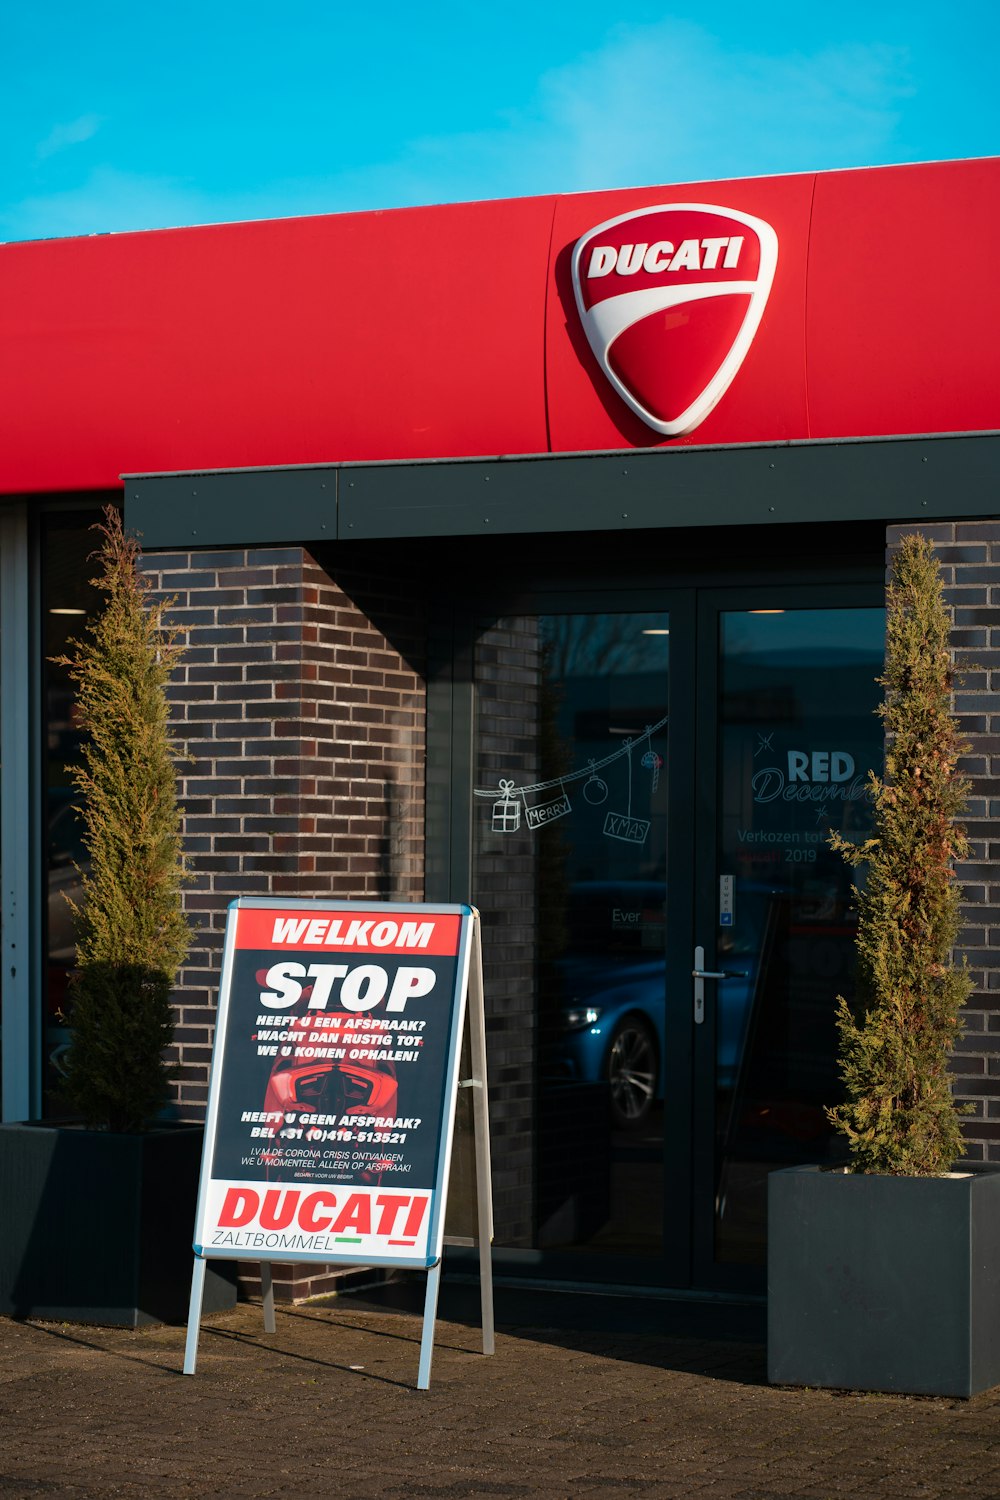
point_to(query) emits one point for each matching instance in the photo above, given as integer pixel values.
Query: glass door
(789, 717)
(570, 849)
(653, 789)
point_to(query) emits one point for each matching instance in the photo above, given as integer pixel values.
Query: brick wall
(969, 552)
(505, 870)
(301, 704)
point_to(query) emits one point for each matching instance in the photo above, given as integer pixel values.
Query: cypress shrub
(131, 932)
(899, 1116)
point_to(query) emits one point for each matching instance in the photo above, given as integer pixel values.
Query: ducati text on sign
(670, 299)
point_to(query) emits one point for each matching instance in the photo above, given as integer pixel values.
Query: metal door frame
(694, 608)
(712, 604)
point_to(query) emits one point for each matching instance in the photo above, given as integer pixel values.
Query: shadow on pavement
(723, 1339)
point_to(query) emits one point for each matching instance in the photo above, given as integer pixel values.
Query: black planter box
(97, 1228)
(884, 1283)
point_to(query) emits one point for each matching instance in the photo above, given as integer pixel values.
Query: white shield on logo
(670, 299)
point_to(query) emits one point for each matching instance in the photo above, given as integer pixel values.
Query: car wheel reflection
(633, 1065)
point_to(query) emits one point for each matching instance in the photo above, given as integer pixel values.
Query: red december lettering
(239, 1208)
(277, 1209)
(416, 1214)
(281, 1206)
(355, 1217)
(307, 1213)
(391, 1204)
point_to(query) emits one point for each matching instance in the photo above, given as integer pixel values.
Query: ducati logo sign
(670, 299)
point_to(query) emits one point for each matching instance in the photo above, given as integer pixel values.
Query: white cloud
(72, 134)
(654, 104)
(657, 104)
(669, 102)
(673, 98)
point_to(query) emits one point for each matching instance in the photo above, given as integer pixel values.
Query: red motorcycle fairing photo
(319, 1086)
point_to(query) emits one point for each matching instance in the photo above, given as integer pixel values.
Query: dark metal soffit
(932, 476)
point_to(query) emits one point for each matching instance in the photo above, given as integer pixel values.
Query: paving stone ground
(327, 1406)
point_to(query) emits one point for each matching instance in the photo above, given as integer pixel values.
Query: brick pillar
(301, 705)
(505, 864)
(969, 552)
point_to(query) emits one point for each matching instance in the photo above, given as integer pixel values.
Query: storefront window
(67, 597)
(598, 1032)
(570, 871)
(3, 1115)
(798, 736)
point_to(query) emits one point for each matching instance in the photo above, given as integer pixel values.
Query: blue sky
(116, 117)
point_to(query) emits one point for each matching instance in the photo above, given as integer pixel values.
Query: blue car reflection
(612, 987)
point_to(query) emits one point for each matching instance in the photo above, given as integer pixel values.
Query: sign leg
(430, 1317)
(267, 1295)
(481, 1125)
(486, 1293)
(194, 1314)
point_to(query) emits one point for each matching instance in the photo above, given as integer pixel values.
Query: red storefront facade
(534, 552)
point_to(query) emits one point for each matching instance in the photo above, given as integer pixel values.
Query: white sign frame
(466, 1004)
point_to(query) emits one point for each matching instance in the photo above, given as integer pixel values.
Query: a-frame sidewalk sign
(347, 1033)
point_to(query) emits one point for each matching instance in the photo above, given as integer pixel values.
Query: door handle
(699, 974)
